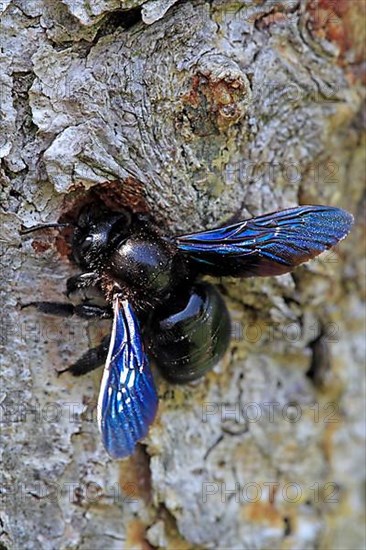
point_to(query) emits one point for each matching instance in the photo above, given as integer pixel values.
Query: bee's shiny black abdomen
(192, 336)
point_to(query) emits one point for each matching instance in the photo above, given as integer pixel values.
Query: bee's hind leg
(93, 358)
(90, 360)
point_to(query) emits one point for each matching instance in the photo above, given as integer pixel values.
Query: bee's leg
(84, 280)
(52, 308)
(85, 310)
(92, 311)
(90, 360)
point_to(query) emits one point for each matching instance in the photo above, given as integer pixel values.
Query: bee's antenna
(44, 226)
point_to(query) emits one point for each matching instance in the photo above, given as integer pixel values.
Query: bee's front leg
(78, 282)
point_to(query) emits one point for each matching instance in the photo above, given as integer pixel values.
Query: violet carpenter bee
(153, 291)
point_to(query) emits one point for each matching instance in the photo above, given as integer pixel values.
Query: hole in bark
(120, 18)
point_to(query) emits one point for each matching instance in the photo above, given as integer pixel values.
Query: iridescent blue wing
(272, 244)
(127, 400)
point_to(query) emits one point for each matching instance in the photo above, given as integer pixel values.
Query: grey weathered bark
(206, 106)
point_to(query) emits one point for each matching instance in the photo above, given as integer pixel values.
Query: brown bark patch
(135, 476)
(218, 98)
(341, 22)
(136, 536)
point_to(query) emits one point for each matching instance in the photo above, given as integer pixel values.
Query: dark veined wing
(128, 400)
(272, 244)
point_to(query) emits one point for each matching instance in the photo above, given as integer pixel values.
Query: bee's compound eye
(81, 247)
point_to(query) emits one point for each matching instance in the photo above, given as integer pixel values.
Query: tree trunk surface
(201, 110)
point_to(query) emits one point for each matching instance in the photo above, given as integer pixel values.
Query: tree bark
(206, 110)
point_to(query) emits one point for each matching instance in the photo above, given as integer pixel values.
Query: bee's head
(95, 234)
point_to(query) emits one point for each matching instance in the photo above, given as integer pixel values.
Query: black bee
(185, 321)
